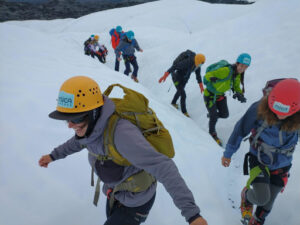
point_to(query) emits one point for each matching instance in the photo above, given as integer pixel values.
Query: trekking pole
(170, 87)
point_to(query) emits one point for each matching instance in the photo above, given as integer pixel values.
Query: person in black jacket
(186, 63)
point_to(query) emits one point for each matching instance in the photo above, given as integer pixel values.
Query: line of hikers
(220, 77)
(124, 45)
(130, 150)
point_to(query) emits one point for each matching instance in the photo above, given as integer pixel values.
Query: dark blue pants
(130, 60)
(122, 215)
(117, 64)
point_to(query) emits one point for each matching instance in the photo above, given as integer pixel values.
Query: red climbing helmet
(284, 98)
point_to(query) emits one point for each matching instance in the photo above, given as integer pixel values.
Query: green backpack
(213, 67)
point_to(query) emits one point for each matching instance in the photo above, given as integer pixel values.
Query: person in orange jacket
(186, 63)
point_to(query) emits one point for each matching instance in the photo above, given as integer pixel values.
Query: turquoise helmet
(130, 35)
(119, 29)
(244, 58)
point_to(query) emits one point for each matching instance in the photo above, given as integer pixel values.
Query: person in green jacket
(219, 78)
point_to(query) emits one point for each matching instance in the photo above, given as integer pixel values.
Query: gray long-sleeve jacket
(130, 142)
(127, 48)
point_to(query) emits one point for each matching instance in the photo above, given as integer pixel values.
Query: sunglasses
(78, 120)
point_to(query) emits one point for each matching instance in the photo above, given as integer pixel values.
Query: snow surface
(38, 56)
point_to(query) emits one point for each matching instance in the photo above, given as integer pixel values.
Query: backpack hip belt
(138, 182)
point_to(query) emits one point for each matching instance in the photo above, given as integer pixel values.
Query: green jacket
(222, 86)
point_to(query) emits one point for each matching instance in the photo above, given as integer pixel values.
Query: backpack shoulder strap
(108, 140)
(259, 130)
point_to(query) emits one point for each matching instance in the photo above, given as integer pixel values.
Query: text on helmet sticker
(246, 61)
(65, 100)
(281, 107)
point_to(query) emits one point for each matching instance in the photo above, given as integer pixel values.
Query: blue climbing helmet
(244, 58)
(119, 29)
(92, 36)
(130, 35)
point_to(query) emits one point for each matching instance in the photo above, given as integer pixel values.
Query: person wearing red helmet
(274, 123)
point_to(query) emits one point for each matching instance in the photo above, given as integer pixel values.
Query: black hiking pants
(100, 57)
(130, 60)
(216, 110)
(123, 215)
(180, 92)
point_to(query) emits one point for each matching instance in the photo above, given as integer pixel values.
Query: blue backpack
(112, 31)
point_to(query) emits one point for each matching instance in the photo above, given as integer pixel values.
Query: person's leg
(127, 65)
(135, 66)
(276, 185)
(180, 93)
(122, 215)
(92, 54)
(213, 113)
(182, 99)
(222, 107)
(260, 194)
(176, 84)
(176, 96)
(117, 65)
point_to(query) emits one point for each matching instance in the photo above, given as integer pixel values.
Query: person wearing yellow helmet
(88, 112)
(93, 48)
(186, 63)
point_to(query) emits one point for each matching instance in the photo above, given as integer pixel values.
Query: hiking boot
(254, 221)
(134, 78)
(216, 138)
(186, 114)
(175, 105)
(246, 206)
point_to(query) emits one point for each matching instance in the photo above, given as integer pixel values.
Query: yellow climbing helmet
(199, 59)
(77, 96)
(96, 37)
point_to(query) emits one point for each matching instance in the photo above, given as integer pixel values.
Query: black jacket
(182, 70)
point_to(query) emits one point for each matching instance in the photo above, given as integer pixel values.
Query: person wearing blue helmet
(219, 78)
(126, 48)
(116, 35)
(119, 29)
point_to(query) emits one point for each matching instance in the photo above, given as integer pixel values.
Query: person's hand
(119, 59)
(240, 97)
(199, 221)
(164, 77)
(141, 50)
(45, 160)
(213, 79)
(201, 87)
(226, 161)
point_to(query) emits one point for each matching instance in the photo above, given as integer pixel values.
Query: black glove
(240, 97)
(213, 79)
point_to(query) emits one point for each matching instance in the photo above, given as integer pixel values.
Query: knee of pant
(224, 115)
(263, 198)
